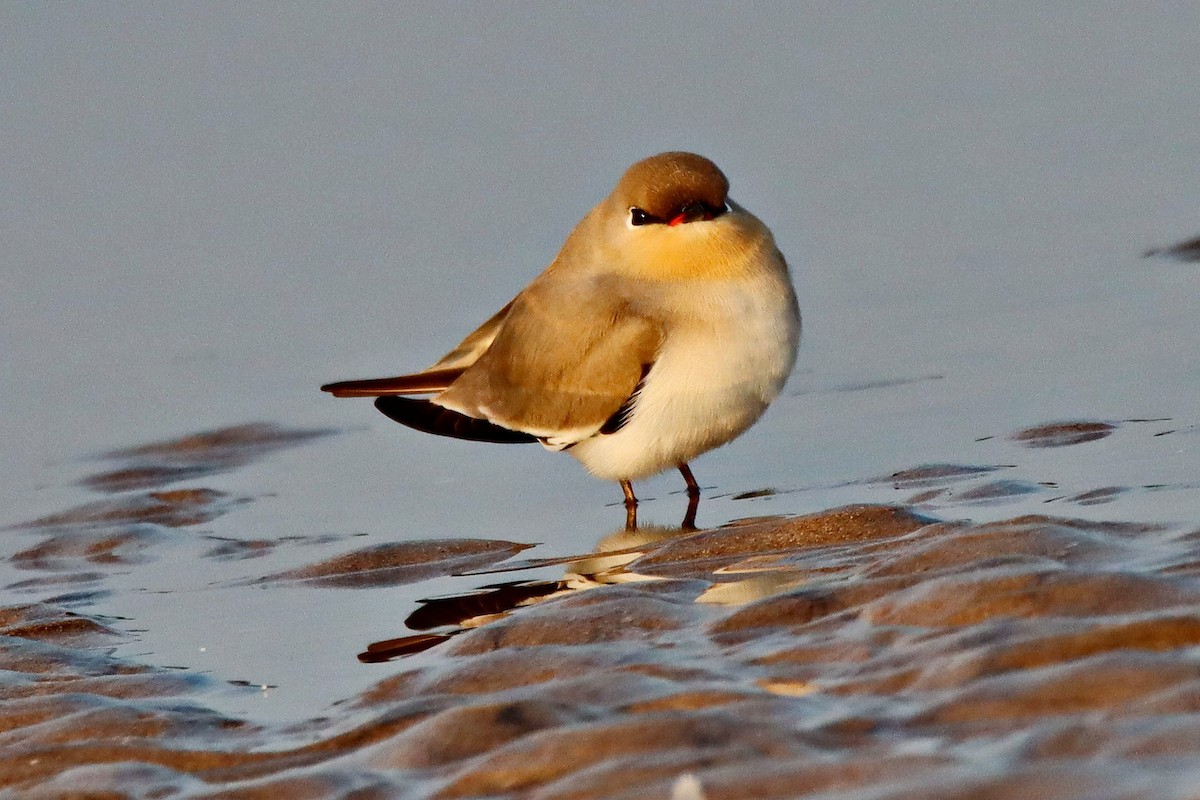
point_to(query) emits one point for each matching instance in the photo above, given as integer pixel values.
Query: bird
(663, 329)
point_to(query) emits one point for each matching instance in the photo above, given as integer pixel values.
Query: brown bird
(663, 328)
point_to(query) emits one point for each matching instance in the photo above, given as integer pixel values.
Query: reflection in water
(441, 618)
(689, 516)
(457, 613)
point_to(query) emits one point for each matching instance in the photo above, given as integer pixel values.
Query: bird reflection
(748, 578)
(438, 619)
(689, 516)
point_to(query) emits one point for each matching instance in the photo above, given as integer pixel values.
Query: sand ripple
(868, 651)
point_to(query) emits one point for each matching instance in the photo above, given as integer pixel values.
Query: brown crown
(661, 185)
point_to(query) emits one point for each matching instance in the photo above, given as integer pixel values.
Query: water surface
(207, 214)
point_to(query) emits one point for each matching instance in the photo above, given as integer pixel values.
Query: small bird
(664, 327)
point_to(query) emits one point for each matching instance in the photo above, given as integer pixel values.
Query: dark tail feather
(427, 382)
(424, 416)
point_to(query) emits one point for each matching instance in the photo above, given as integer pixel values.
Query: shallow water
(206, 216)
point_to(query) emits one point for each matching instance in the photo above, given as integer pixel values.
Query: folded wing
(559, 368)
(557, 365)
(427, 417)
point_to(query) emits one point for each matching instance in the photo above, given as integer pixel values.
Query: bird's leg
(631, 504)
(693, 488)
(693, 493)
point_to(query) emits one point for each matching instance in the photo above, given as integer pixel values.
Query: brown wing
(469, 349)
(566, 360)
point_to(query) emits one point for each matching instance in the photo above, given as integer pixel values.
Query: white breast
(726, 356)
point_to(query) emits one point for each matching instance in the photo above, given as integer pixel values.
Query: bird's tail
(430, 381)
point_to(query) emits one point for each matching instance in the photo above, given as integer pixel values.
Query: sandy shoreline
(877, 647)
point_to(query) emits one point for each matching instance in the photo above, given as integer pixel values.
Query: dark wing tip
(424, 416)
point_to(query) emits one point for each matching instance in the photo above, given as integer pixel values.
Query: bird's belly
(703, 391)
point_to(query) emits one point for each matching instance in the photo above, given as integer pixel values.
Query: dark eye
(639, 217)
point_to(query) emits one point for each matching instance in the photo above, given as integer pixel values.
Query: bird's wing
(479, 340)
(565, 361)
(423, 415)
(435, 379)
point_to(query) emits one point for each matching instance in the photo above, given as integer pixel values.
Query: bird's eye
(639, 217)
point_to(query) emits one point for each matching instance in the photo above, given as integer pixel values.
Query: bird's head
(670, 217)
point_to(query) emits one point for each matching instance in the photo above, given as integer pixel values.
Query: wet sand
(882, 650)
